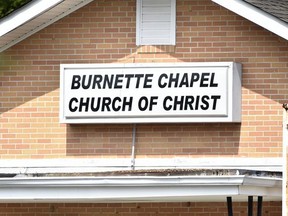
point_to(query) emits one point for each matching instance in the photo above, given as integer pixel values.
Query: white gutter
(256, 15)
(138, 189)
(106, 181)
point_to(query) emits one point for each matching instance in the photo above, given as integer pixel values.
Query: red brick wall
(104, 32)
(135, 209)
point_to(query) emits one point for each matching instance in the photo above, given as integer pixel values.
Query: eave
(257, 16)
(138, 189)
(34, 17)
(39, 14)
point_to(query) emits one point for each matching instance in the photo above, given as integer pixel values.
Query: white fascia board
(263, 181)
(261, 164)
(262, 186)
(32, 166)
(260, 191)
(18, 18)
(132, 189)
(257, 16)
(30, 31)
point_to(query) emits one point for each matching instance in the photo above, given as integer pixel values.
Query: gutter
(121, 181)
(138, 189)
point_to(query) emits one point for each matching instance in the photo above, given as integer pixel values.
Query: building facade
(39, 154)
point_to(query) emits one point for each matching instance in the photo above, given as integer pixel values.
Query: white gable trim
(257, 16)
(24, 15)
(34, 17)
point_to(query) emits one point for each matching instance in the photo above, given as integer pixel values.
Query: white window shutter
(156, 22)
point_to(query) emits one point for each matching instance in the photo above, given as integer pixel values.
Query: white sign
(150, 93)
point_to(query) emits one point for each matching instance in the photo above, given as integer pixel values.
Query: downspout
(284, 162)
(133, 147)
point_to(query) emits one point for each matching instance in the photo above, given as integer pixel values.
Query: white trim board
(42, 166)
(34, 17)
(138, 189)
(30, 11)
(257, 16)
(17, 33)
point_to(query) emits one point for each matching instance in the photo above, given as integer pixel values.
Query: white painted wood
(19, 29)
(135, 189)
(31, 10)
(257, 16)
(152, 17)
(43, 166)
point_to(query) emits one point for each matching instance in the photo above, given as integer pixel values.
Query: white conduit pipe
(133, 147)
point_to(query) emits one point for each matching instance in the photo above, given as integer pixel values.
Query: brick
(205, 32)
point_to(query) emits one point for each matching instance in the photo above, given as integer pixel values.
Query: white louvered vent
(156, 22)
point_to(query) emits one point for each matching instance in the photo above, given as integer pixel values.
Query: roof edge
(65, 165)
(39, 13)
(137, 189)
(23, 15)
(257, 16)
